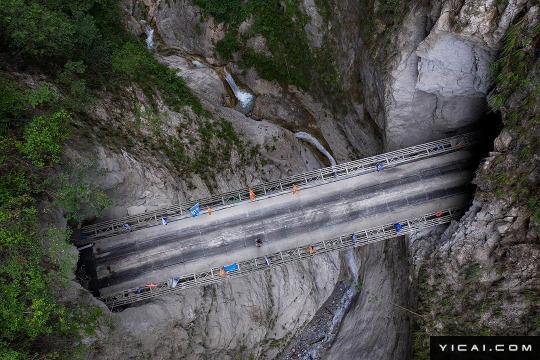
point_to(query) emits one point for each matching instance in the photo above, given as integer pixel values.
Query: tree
(44, 136)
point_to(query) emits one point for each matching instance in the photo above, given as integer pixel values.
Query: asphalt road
(283, 222)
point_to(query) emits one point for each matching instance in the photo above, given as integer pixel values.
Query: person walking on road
(258, 242)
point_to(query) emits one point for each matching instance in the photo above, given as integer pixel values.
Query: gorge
(206, 97)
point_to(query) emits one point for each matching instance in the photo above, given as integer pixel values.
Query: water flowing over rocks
(251, 315)
(245, 99)
(180, 27)
(149, 35)
(377, 324)
(433, 85)
(317, 144)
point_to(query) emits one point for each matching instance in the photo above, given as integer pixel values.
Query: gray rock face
(436, 84)
(255, 315)
(440, 78)
(375, 327)
(503, 141)
(313, 27)
(486, 255)
(451, 66)
(179, 26)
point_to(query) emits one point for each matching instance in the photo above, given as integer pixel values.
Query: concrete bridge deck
(283, 222)
(318, 177)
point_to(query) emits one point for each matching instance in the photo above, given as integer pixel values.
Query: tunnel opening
(489, 126)
(86, 273)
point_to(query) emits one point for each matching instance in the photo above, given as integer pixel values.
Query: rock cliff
(480, 276)
(155, 163)
(403, 75)
(431, 71)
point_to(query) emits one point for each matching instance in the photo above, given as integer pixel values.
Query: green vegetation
(208, 151)
(36, 262)
(281, 23)
(381, 21)
(517, 78)
(43, 138)
(465, 306)
(133, 63)
(85, 45)
(228, 45)
(455, 308)
(51, 32)
(77, 48)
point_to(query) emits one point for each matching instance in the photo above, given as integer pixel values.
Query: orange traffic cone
(294, 189)
(209, 210)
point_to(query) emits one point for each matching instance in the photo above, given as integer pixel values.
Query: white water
(198, 64)
(353, 264)
(136, 12)
(244, 98)
(149, 35)
(317, 144)
(345, 301)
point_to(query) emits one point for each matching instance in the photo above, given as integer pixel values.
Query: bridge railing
(308, 179)
(211, 276)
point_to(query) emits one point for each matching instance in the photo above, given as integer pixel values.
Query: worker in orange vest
(222, 271)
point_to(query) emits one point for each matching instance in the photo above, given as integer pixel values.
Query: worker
(138, 290)
(222, 271)
(258, 242)
(127, 226)
(353, 236)
(164, 220)
(397, 226)
(379, 166)
(310, 249)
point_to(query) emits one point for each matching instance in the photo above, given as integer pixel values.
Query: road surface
(283, 222)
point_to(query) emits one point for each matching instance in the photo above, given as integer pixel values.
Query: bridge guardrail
(312, 178)
(211, 276)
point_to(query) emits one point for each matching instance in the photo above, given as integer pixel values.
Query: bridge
(335, 208)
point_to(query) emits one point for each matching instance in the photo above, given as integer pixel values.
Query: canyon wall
(430, 71)
(408, 75)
